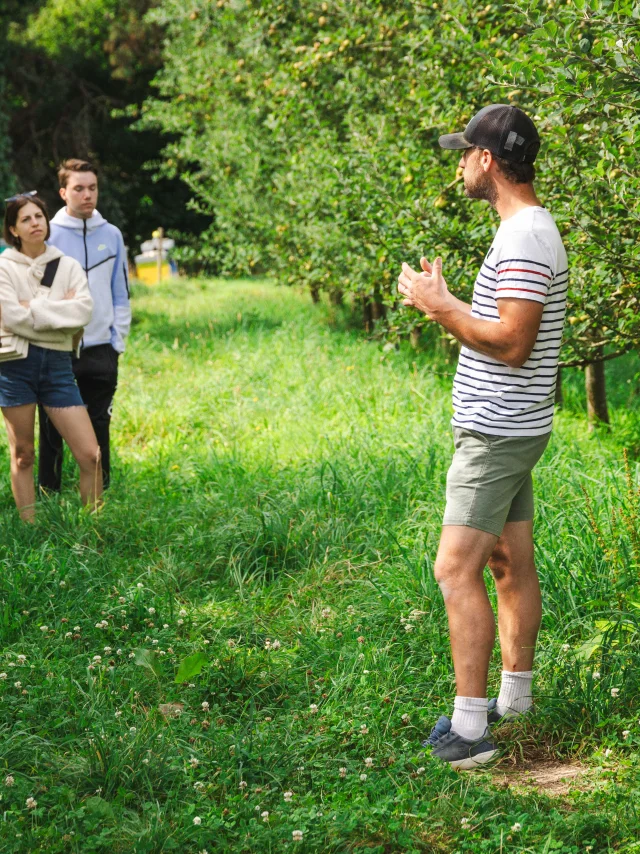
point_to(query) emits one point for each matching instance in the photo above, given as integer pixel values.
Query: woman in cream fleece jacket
(48, 317)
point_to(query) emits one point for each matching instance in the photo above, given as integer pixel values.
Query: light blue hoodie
(99, 248)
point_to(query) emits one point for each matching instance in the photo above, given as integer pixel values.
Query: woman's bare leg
(75, 427)
(20, 421)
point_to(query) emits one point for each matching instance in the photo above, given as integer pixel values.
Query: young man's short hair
(74, 165)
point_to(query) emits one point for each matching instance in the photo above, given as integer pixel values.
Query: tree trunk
(595, 382)
(378, 308)
(367, 314)
(315, 294)
(335, 296)
(559, 400)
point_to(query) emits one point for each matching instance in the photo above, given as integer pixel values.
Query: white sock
(515, 692)
(469, 717)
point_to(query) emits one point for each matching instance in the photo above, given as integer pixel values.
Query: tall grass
(277, 498)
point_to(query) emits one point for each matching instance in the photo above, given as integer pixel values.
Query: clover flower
(326, 613)
(242, 784)
(194, 762)
(405, 718)
(297, 835)
(595, 675)
(364, 729)
(313, 708)
(8, 780)
(626, 733)
(343, 772)
(363, 777)
(288, 797)
(31, 803)
(615, 692)
(151, 610)
(517, 827)
(3, 675)
(44, 628)
(368, 762)
(264, 815)
(565, 647)
(205, 706)
(197, 820)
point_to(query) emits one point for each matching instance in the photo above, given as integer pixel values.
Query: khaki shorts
(489, 482)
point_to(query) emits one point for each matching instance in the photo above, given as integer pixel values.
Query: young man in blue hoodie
(80, 231)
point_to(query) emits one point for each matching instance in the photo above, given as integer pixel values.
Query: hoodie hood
(63, 219)
(51, 253)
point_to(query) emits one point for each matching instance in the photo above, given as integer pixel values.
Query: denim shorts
(45, 377)
(489, 482)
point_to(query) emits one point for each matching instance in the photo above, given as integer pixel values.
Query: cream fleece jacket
(50, 321)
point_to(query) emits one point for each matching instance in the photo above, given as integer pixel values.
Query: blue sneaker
(461, 754)
(494, 716)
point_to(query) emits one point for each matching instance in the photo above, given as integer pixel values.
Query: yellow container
(148, 272)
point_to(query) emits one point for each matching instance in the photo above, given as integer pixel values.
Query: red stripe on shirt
(524, 290)
(517, 270)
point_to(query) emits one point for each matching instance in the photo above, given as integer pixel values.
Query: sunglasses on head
(21, 196)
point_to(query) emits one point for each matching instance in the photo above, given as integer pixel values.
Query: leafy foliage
(308, 133)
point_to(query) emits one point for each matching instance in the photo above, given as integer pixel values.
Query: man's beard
(481, 186)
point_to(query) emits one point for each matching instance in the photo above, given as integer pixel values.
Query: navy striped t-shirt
(526, 261)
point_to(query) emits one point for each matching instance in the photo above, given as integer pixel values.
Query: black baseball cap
(502, 129)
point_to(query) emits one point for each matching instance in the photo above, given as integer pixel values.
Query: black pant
(96, 373)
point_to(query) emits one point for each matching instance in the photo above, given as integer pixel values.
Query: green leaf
(149, 659)
(588, 648)
(190, 666)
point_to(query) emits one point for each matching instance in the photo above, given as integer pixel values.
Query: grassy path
(277, 501)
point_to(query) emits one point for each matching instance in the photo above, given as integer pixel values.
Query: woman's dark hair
(11, 217)
(516, 173)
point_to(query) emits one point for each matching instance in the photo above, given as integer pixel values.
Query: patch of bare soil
(547, 776)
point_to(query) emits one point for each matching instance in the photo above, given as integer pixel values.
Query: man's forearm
(484, 336)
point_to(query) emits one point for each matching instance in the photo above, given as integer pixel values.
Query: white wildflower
(326, 613)
(596, 675)
(76, 628)
(343, 772)
(8, 780)
(151, 610)
(288, 797)
(205, 706)
(31, 803)
(44, 628)
(132, 730)
(17, 684)
(608, 752)
(517, 827)
(194, 762)
(626, 733)
(182, 612)
(68, 634)
(297, 835)
(118, 714)
(242, 784)
(363, 777)
(139, 585)
(615, 692)
(22, 659)
(421, 770)
(405, 718)
(275, 644)
(197, 820)
(264, 815)
(565, 647)
(368, 762)
(364, 729)
(313, 708)
(3, 675)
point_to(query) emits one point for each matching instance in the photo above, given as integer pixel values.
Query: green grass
(280, 478)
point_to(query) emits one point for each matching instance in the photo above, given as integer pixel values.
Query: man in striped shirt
(503, 398)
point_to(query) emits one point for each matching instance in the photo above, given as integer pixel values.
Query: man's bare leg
(519, 600)
(462, 556)
(519, 615)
